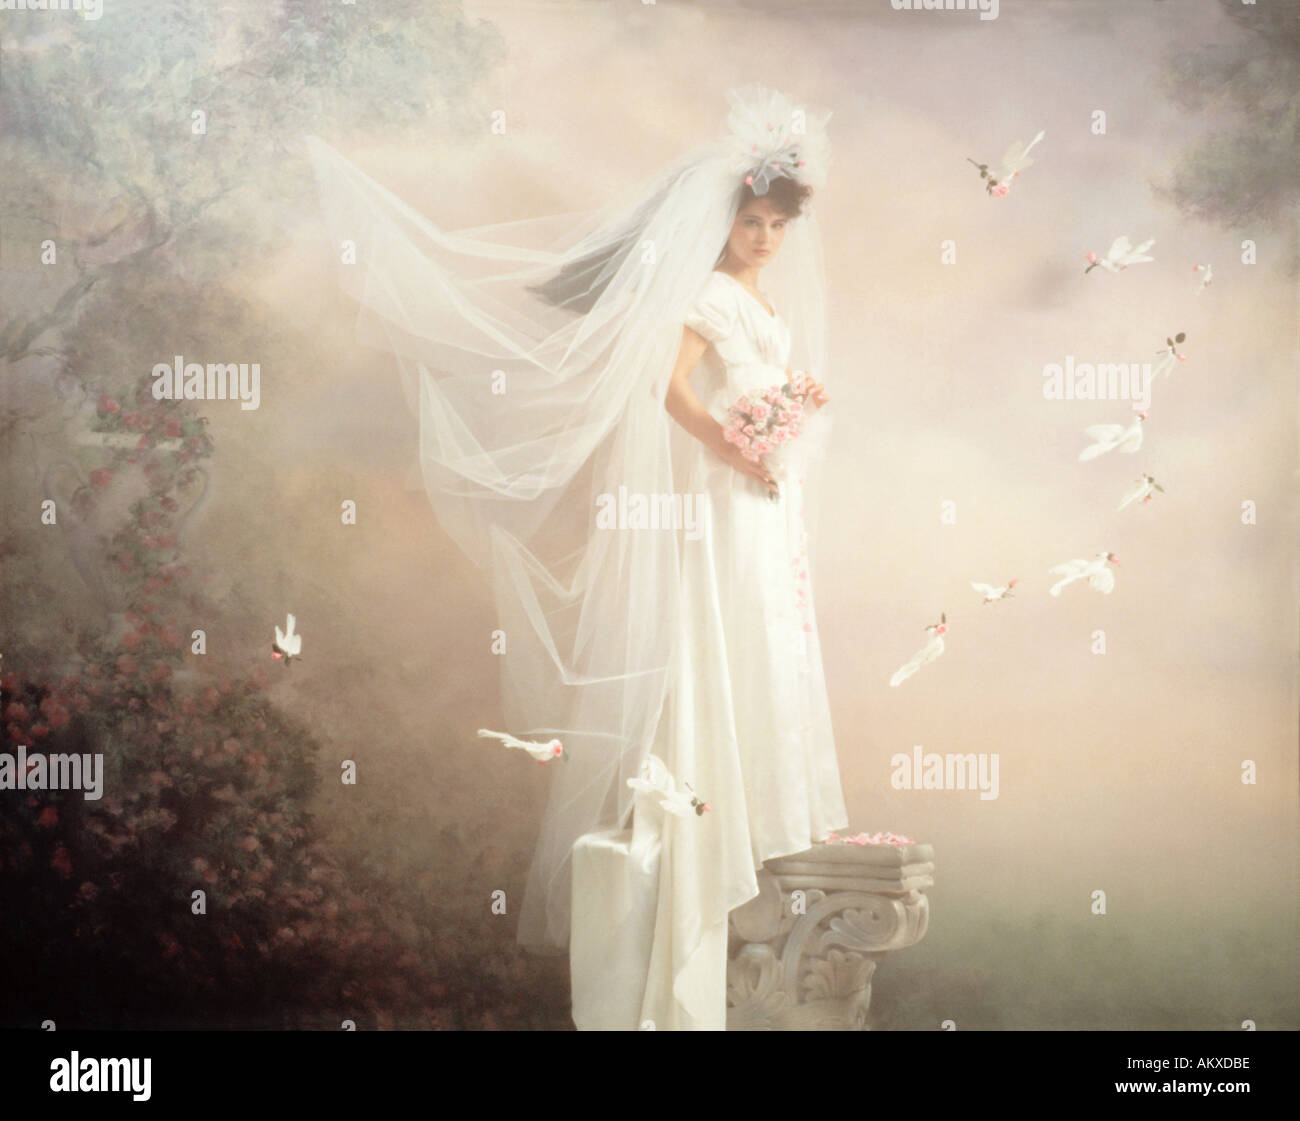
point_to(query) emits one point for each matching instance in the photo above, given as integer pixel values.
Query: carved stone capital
(802, 953)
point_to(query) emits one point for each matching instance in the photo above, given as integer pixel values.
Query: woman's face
(756, 234)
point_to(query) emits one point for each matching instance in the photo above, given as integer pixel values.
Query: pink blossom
(61, 862)
(884, 838)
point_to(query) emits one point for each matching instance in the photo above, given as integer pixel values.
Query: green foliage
(1248, 170)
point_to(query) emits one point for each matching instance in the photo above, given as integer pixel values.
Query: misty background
(1119, 772)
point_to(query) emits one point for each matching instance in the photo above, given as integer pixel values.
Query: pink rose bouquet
(764, 420)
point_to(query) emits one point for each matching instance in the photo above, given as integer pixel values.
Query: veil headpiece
(536, 356)
(768, 135)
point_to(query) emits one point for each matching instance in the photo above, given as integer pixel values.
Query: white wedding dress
(746, 719)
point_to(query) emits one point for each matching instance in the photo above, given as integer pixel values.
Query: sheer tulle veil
(536, 355)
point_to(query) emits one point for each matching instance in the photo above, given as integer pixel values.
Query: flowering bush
(205, 793)
(209, 788)
(101, 889)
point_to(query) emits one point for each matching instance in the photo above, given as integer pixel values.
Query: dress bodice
(750, 352)
(752, 347)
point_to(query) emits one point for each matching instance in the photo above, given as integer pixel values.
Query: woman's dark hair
(579, 283)
(786, 194)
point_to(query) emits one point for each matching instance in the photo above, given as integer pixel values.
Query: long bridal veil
(536, 355)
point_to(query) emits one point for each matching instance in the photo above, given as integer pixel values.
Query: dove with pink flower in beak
(1107, 437)
(926, 654)
(287, 645)
(1142, 489)
(1207, 275)
(992, 594)
(542, 752)
(1168, 355)
(1094, 571)
(1120, 255)
(1014, 160)
(657, 779)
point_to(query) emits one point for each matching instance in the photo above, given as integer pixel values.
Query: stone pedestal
(802, 953)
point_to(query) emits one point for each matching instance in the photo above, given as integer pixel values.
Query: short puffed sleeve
(713, 314)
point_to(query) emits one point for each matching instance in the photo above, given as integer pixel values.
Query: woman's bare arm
(685, 407)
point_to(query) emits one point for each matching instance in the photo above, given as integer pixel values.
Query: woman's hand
(732, 455)
(812, 392)
(816, 393)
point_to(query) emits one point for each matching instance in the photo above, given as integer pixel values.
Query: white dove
(992, 594)
(1120, 255)
(1107, 437)
(1016, 158)
(1169, 355)
(1014, 161)
(657, 779)
(287, 644)
(1095, 571)
(542, 752)
(1206, 279)
(926, 654)
(1141, 489)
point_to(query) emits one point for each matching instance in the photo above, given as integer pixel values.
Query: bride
(640, 350)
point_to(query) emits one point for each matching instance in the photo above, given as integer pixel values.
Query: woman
(545, 376)
(747, 713)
